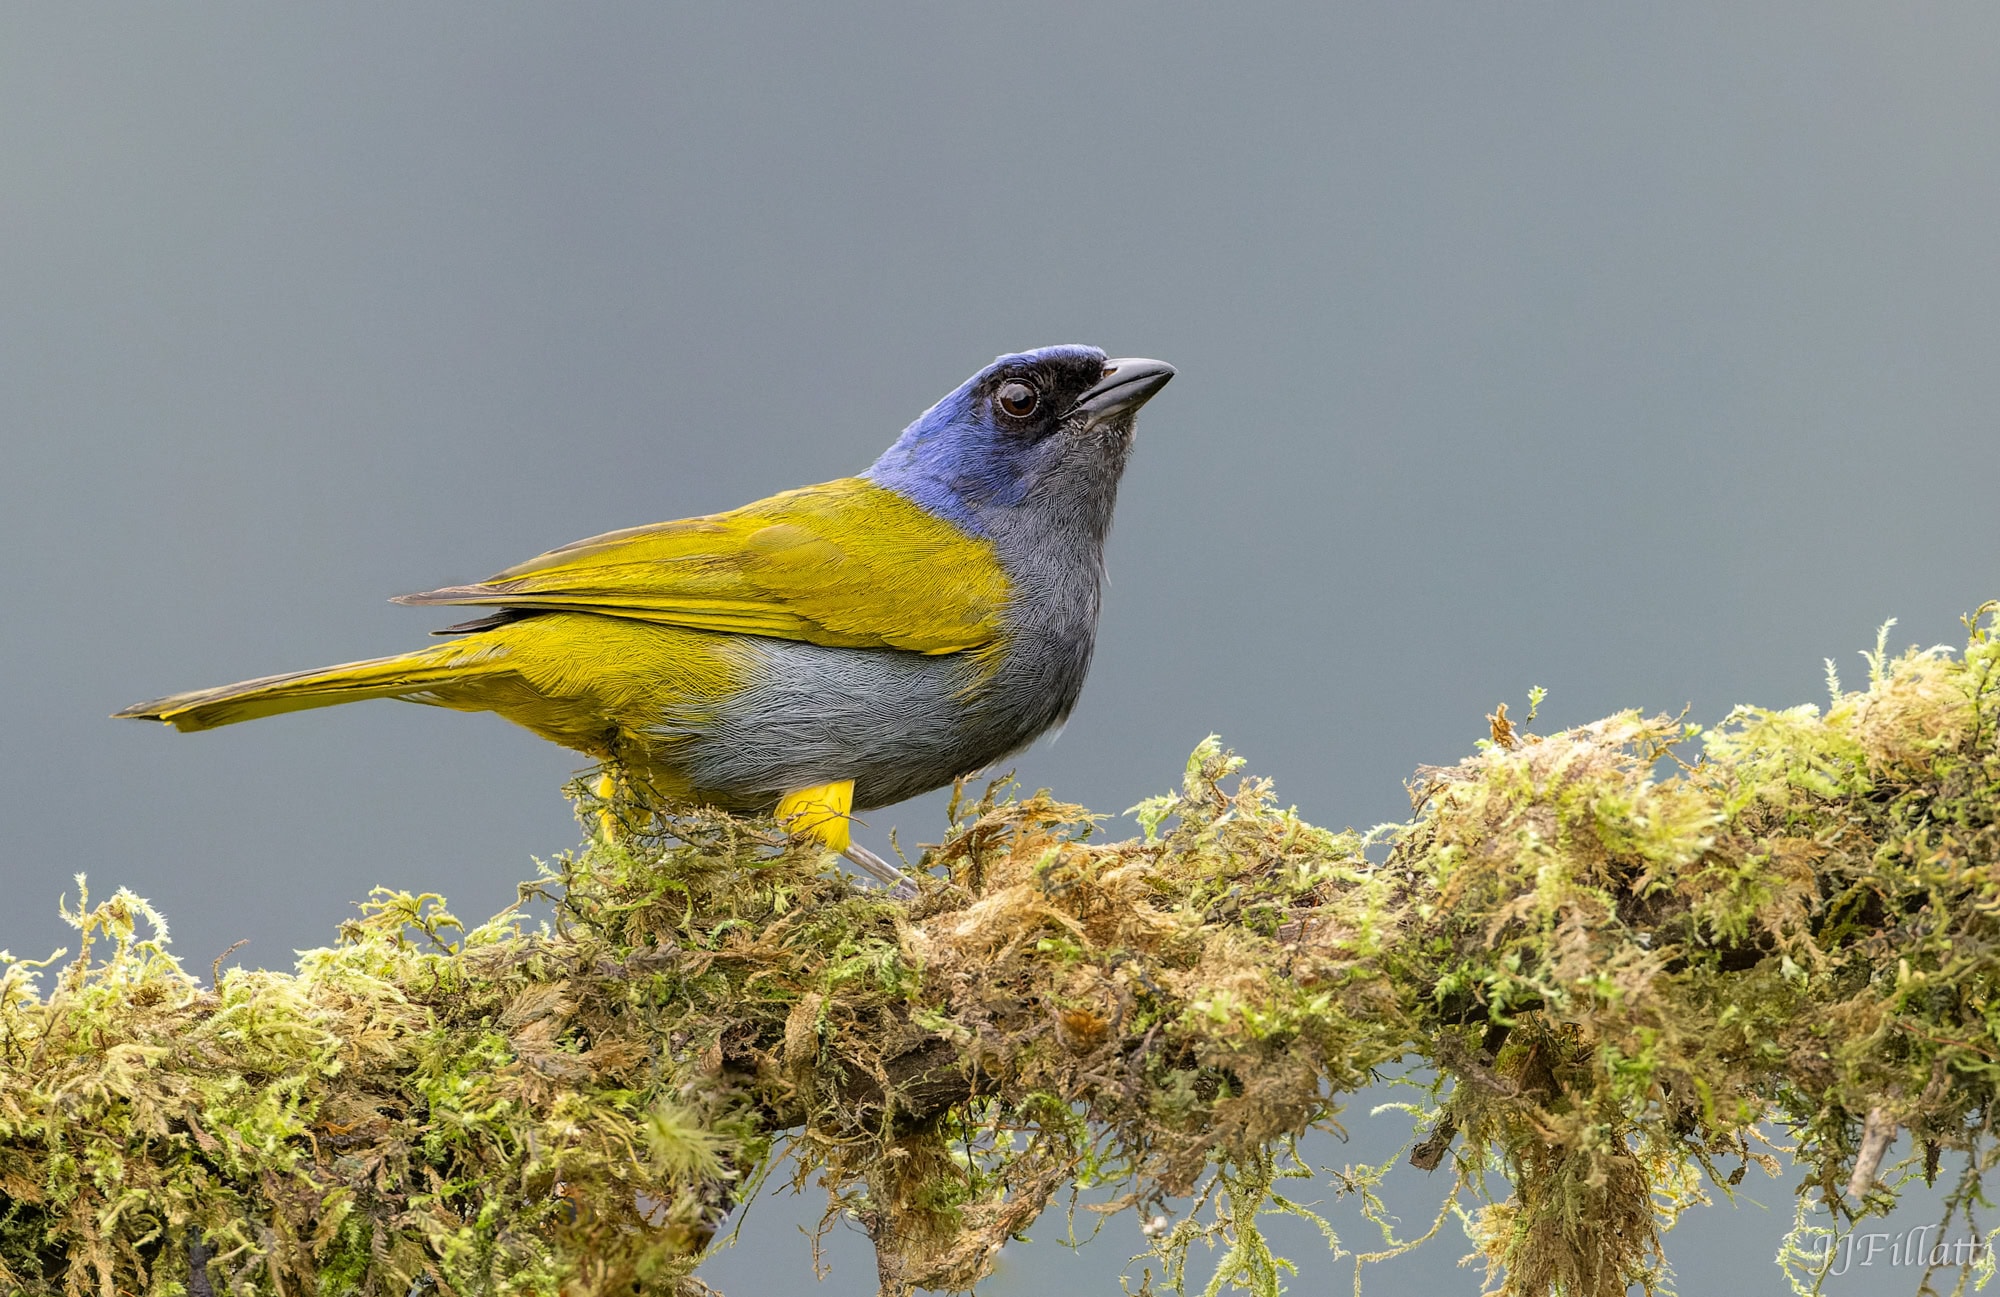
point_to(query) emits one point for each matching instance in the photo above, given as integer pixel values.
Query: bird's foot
(822, 814)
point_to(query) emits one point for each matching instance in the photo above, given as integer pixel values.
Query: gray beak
(1128, 383)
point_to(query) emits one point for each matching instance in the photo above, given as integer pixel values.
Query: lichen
(1630, 954)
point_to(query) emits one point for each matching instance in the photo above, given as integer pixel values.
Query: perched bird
(830, 649)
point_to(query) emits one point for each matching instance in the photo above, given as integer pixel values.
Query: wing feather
(846, 564)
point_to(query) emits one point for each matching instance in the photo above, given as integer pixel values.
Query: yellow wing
(846, 563)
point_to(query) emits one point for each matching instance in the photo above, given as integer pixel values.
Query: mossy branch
(1626, 951)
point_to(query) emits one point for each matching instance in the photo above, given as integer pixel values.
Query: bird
(825, 651)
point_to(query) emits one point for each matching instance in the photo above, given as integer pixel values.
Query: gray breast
(896, 723)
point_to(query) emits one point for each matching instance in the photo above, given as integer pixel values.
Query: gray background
(1645, 354)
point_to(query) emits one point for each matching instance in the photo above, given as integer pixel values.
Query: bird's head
(1051, 427)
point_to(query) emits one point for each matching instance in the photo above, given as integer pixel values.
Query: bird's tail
(418, 676)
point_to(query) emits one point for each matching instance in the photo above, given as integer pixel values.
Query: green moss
(1622, 950)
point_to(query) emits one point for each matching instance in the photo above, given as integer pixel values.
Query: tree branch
(1618, 948)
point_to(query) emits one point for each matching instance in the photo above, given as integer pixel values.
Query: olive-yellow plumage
(846, 564)
(831, 648)
(629, 620)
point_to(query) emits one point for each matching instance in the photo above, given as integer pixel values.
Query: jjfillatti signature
(1913, 1247)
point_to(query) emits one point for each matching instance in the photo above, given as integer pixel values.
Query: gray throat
(1052, 545)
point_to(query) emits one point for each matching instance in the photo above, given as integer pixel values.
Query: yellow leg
(607, 823)
(819, 813)
(822, 814)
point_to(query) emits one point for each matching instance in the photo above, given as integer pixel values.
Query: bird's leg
(896, 880)
(607, 822)
(627, 803)
(822, 814)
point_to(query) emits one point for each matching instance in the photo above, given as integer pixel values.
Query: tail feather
(410, 675)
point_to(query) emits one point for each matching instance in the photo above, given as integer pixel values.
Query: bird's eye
(1018, 398)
